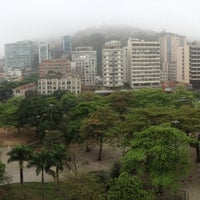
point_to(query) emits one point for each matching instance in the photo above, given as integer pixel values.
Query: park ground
(87, 161)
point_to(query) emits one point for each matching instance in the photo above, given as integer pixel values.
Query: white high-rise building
(43, 51)
(84, 62)
(143, 63)
(113, 64)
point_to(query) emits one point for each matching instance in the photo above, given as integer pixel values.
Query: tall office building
(66, 43)
(113, 64)
(144, 63)
(183, 64)
(168, 51)
(43, 51)
(21, 54)
(194, 61)
(84, 62)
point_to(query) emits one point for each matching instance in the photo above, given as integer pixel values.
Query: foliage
(151, 96)
(97, 124)
(121, 101)
(84, 186)
(128, 187)
(160, 152)
(182, 96)
(58, 159)
(20, 153)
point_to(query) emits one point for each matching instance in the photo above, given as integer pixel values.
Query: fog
(35, 19)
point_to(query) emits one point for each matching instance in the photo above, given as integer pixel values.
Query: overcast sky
(33, 19)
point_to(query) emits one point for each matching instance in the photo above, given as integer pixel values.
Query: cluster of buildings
(139, 64)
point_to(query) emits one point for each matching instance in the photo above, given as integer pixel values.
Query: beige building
(21, 91)
(168, 53)
(113, 64)
(143, 63)
(194, 60)
(59, 66)
(183, 65)
(70, 83)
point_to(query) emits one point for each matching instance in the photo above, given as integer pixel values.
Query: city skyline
(32, 20)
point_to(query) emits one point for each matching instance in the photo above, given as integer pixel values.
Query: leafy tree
(31, 109)
(80, 112)
(121, 101)
(138, 119)
(3, 176)
(59, 159)
(160, 153)
(96, 126)
(128, 187)
(83, 186)
(41, 161)
(182, 96)
(151, 97)
(20, 153)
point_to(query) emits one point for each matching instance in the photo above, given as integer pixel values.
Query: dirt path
(85, 161)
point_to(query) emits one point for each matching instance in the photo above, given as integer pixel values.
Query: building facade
(84, 63)
(168, 52)
(21, 54)
(113, 64)
(144, 63)
(66, 44)
(43, 51)
(183, 64)
(54, 66)
(194, 62)
(70, 83)
(21, 91)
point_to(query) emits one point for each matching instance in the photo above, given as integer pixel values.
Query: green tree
(121, 102)
(20, 153)
(160, 153)
(59, 159)
(96, 126)
(128, 187)
(42, 162)
(151, 97)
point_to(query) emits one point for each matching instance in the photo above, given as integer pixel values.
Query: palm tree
(41, 161)
(20, 153)
(59, 159)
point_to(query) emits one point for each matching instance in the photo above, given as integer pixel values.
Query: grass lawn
(29, 191)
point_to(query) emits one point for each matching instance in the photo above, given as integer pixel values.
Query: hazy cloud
(31, 19)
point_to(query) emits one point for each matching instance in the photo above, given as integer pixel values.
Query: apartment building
(54, 66)
(194, 62)
(70, 83)
(84, 63)
(168, 52)
(66, 44)
(143, 63)
(21, 54)
(43, 51)
(183, 64)
(113, 64)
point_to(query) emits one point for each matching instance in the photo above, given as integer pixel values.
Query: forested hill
(96, 37)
